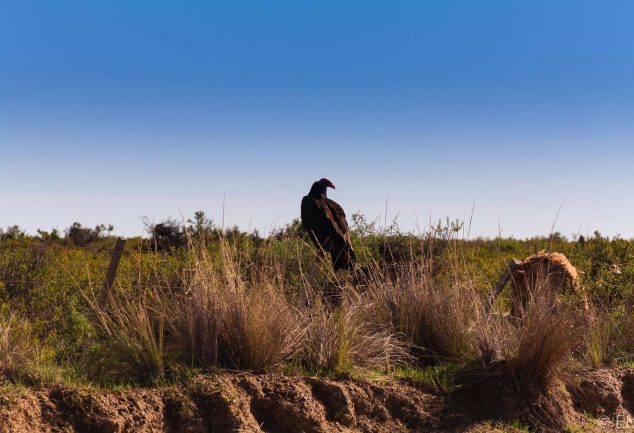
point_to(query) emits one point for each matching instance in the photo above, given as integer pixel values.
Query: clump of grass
(623, 335)
(131, 331)
(435, 318)
(226, 319)
(599, 339)
(523, 360)
(348, 339)
(626, 354)
(21, 353)
(195, 319)
(260, 329)
(544, 338)
(608, 337)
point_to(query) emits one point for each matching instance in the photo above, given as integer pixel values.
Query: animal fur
(552, 272)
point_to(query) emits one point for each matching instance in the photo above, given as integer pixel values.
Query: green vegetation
(440, 377)
(193, 297)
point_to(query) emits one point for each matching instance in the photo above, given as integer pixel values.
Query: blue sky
(115, 110)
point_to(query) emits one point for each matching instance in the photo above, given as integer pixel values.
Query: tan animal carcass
(549, 272)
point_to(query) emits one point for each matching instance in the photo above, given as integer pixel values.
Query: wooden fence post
(112, 272)
(510, 268)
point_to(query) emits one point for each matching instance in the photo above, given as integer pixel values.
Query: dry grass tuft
(544, 338)
(259, 328)
(229, 320)
(21, 353)
(195, 319)
(132, 331)
(522, 361)
(436, 319)
(348, 338)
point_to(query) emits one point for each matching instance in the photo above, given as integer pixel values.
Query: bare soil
(274, 403)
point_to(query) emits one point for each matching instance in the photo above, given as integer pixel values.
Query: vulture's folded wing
(338, 216)
(318, 219)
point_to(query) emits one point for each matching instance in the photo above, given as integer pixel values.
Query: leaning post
(112, 272)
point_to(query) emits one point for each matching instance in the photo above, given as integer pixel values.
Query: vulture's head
(319, 188)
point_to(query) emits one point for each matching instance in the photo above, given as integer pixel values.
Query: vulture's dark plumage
(326, 223)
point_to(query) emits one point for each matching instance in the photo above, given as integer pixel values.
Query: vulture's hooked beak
(325, 183)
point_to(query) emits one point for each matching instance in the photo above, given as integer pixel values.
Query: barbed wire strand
(108, 249)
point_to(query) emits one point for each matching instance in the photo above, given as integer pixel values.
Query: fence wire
(100, 249)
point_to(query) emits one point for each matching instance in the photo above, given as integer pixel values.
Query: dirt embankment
(275, 403)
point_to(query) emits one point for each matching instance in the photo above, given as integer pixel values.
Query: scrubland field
(209, 329)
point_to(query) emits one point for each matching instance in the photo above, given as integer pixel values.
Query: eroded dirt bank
(282, 404)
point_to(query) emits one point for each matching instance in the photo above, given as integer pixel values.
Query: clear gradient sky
(115, 110)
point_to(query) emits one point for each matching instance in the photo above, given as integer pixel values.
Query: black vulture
(325, 221)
